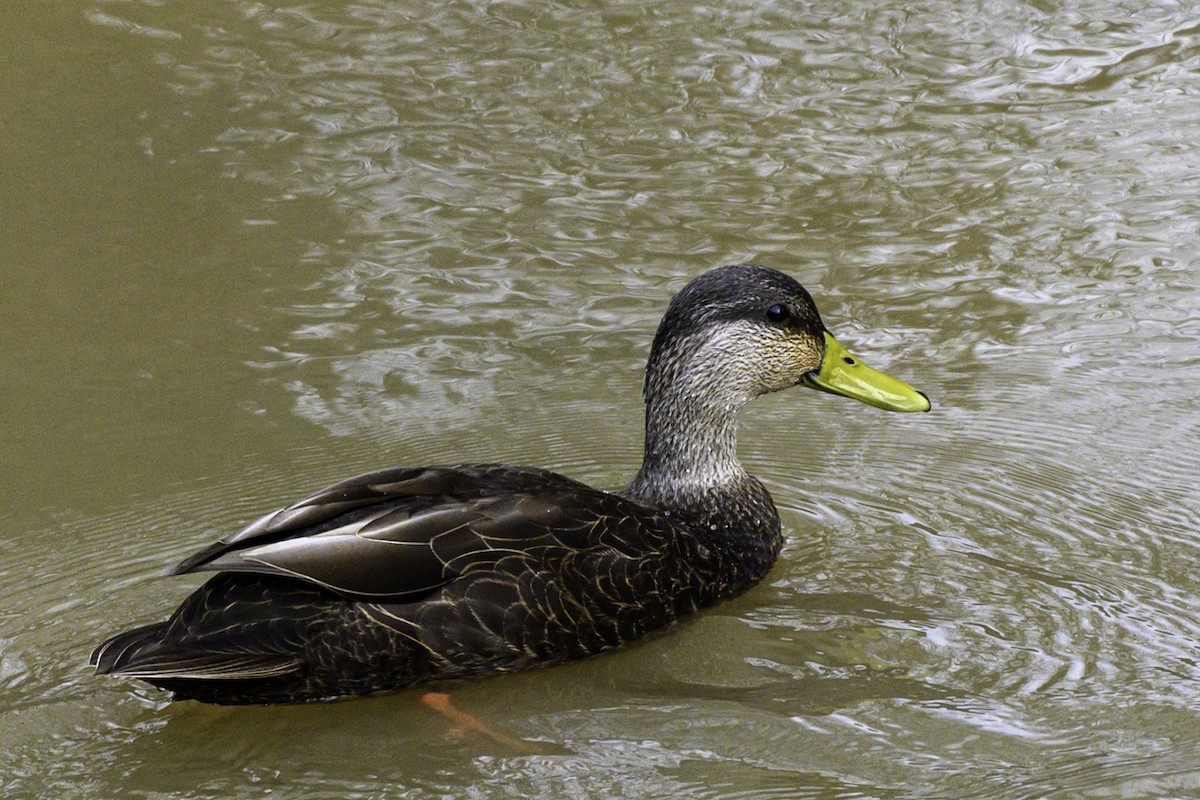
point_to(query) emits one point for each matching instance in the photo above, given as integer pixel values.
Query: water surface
(255, 247)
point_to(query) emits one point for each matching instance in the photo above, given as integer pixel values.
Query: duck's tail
(143, 653)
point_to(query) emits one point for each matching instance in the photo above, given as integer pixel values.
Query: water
(251, 249)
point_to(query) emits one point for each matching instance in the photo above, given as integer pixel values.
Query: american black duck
(414, 574)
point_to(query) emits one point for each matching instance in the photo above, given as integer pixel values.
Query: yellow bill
(844, 374)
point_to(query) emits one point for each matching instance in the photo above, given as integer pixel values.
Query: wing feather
(395, 534)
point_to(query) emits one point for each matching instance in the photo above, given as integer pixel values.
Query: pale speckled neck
(691, 438)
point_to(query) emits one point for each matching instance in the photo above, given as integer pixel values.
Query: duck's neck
(691, 444)
(691, 471)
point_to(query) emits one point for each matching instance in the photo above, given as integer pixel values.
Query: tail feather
(141, 653)
(116, 650)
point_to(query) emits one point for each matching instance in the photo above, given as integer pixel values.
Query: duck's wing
(397, 534)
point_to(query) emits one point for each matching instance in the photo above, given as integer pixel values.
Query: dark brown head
(743, 330)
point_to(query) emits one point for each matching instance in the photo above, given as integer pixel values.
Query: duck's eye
(778, 313)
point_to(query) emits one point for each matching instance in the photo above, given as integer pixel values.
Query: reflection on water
(260, 248)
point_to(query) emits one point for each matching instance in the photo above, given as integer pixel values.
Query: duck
(408, 575)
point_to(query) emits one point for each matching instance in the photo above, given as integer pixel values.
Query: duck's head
(740, 331)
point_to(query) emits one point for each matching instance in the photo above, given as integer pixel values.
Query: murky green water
(251, 247)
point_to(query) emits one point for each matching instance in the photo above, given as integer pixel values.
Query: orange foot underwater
(440, 702)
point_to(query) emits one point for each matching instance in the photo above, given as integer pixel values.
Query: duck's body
(500, 568)
(414, 574)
